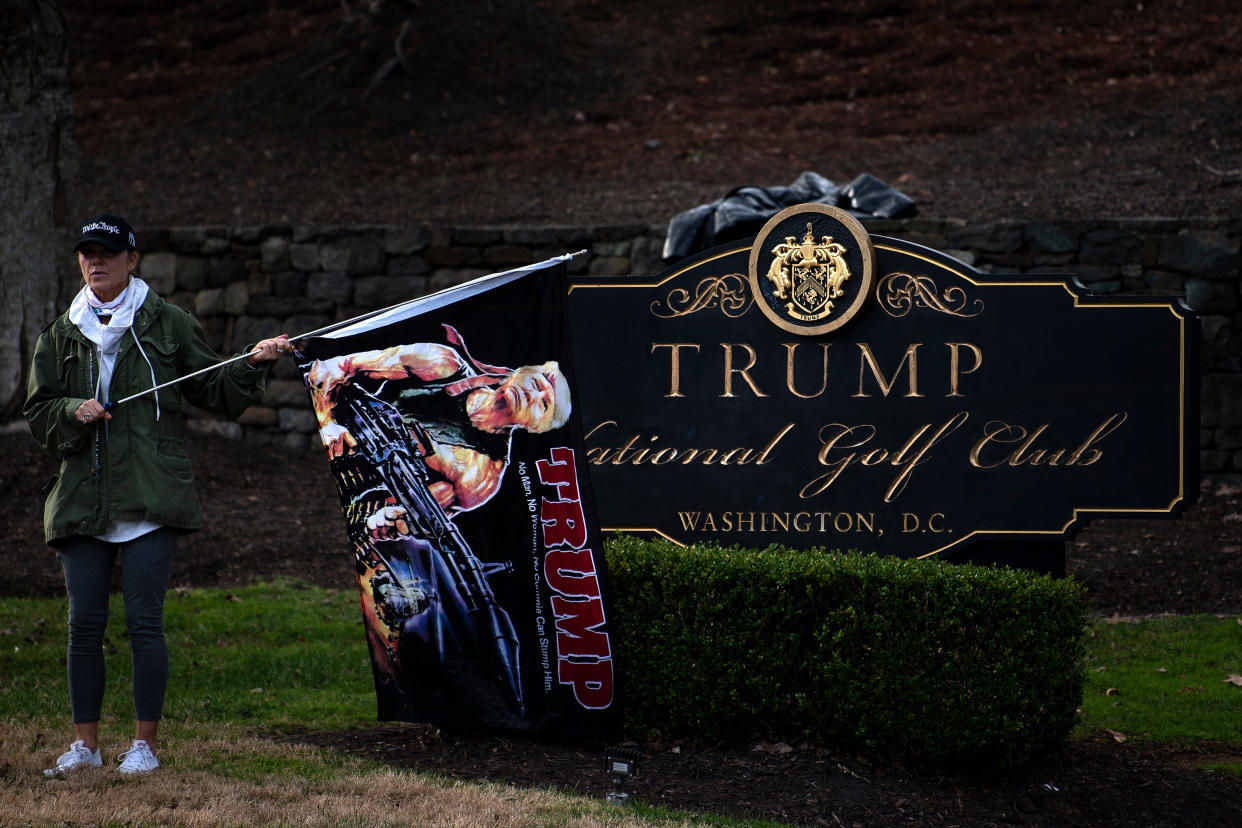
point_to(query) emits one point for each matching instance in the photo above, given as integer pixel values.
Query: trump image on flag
(450, 428)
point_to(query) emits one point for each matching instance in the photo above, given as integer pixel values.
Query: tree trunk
(38, 183)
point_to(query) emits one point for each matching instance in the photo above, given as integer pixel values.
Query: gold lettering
(955, 371)
(740, 360)
(1087, 448)
(620, 459)
(691, 454)
(1017, 458)
(628, 453)
(674, 384)
(664, 455)
(899, 484)
(819, 484)
(874, 457)
(911, 522)
(1041, 456)
(618, 456)
(913, 454)
(866, 359)
(767, 450)
(640, 456)
(803, 522)
(744, 371)
(591, 433)
(994, 432)
(790, 347)
(1000, 432)
(901, 454)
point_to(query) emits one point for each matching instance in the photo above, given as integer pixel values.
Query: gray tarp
(743, 212)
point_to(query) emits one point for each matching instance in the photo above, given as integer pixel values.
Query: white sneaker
(138, 759)
(76, 758)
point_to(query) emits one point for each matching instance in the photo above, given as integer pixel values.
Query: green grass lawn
(1165, 679)
(283, 656)
(274, 657)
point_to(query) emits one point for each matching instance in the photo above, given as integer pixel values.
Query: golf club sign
(822, 387)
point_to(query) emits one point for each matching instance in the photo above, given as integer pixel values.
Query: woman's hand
(90, 412)
(268, 350)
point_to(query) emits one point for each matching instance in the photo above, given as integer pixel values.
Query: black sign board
(821, 387)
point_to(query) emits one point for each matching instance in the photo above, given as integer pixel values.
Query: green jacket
(131, 467)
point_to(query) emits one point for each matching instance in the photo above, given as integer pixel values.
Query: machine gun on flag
(460, 593)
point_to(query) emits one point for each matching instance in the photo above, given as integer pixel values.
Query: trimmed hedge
(917, 661)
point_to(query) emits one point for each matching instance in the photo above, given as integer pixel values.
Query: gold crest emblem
(810, 275)
(811, 269)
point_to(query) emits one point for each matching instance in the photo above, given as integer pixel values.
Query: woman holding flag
(124, 487)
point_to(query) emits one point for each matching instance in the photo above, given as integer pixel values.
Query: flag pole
(336, 325)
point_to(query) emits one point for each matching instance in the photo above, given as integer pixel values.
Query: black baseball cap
(113, 232)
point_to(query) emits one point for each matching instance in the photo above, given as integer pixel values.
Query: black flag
(458, 455)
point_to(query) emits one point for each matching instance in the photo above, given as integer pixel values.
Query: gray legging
(145, 562)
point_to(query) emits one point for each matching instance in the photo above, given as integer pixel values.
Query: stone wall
(249, 283)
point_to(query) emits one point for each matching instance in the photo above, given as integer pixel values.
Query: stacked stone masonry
(248, 283)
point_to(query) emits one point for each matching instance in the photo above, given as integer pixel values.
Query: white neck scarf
(107, 338)
(101, 307)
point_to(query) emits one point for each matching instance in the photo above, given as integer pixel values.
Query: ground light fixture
(620, 763)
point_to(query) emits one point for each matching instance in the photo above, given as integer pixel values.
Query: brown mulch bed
(585, 112)
(274, 512)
